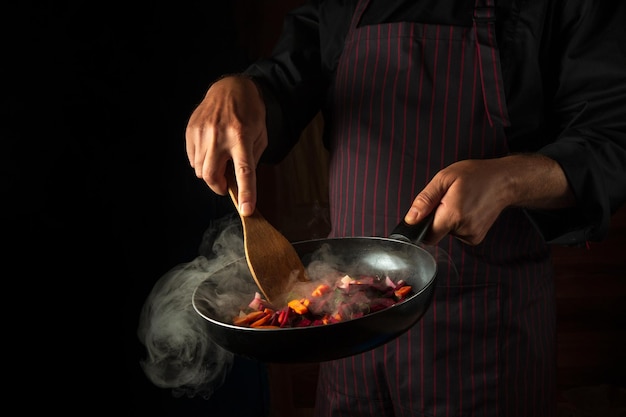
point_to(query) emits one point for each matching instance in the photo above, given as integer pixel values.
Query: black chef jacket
(564, 73)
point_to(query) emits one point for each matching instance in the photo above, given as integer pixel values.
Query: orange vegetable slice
(262, 321)
(402, 291)
(248, 318)
(320, 290)
(297, 306)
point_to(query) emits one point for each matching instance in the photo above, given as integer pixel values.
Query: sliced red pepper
(283, 316)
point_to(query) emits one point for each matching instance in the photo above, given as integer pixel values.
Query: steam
(180, 353)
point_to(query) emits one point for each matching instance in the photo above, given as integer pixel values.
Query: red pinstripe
(381, 133)
(414, 186)
(386, 144)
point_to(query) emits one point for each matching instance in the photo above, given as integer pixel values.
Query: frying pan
(399, 256)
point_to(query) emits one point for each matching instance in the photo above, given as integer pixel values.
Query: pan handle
(412, 233)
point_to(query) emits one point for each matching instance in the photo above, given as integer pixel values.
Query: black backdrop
(98, 201)
(101, 200)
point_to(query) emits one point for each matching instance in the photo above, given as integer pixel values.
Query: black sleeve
(588, 117)
(291, 81)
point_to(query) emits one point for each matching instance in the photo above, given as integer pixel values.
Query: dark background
(101, 201)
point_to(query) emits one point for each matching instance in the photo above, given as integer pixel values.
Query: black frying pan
(398, 256)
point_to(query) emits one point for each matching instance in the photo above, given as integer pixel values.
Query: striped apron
(409, 99)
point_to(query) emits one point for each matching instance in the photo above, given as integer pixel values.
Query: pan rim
(426, 287)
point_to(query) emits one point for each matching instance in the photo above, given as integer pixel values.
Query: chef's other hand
(229, 124)
(469, 195)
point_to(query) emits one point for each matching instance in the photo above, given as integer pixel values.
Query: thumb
(424, 203)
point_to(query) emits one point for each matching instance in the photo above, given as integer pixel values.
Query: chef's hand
(469, 195)
(229, 124)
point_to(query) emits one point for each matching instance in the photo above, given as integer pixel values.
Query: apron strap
(489, 63)
(358, 13)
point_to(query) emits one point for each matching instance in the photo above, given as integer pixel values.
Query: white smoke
(180, 353)
(179, 349)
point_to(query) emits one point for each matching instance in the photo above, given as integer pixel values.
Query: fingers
(190, 148)
(245, 172)
(466, 197)
(207, 163)
(228, 125)
(211, 162)
(245, 175)
(213, 172)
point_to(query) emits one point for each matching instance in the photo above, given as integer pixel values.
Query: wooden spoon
(272, 259)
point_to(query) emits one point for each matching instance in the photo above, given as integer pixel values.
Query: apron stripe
(409, 99)
(493, 89)
(391, 134)
(358, 170)
(415, 188)
(459, 108)
(351, 198)
(399, 196)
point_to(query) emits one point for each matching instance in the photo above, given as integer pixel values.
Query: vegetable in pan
(346, 299)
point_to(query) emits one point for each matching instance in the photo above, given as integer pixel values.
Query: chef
(505, 119)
